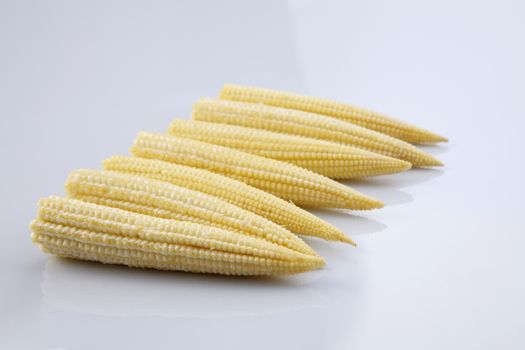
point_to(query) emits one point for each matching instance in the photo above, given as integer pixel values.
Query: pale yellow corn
(81, 230)
(347, 112)
(307, 124)
(230, 190)
(299, 185)
(326, 158)
(161, 199)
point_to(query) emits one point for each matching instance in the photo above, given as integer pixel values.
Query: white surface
(441, 267)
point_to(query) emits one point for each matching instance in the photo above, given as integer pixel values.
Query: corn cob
(235, 192)
(326, 158)
(164, 200)
(349, 113)
(284, 180)
(76, 229)
(317, 126)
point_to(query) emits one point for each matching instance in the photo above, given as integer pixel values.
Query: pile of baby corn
(221, 193)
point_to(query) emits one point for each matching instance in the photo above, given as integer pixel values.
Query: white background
(441, 267)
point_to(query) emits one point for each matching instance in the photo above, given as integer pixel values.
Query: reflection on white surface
(388, 188)
(356, 224)
(98, 289)
(201, 309)
(435, 150)
(405, 179)
(388, 195)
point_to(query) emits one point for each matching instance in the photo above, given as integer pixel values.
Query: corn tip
(435, 138)
(377, 204)
(441, 139)
(346, 239)
(429, 162)
(404, 165)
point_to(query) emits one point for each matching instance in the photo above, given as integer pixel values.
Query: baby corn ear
(230, 190)
(301, 186)
(160, 199)
(326, 158)
(306, 124)
(76, 229)
(347, 112)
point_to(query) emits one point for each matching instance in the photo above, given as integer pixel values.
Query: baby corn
(356, 115)
(326, 158)
(76, 229)
(301, 186)
(165, 200)
(230, 190)
(312, 125)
